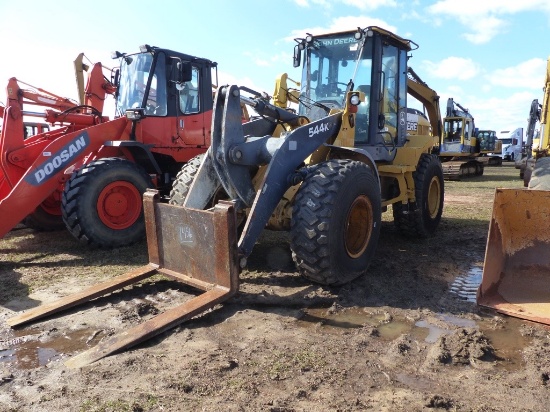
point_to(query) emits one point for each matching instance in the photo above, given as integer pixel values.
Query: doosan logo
(59, 160)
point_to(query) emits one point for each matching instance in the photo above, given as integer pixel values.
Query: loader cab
(168, 95)
(372, 61)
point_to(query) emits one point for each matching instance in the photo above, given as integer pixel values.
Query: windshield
(134, 74)
(453, 130)
(331, 63)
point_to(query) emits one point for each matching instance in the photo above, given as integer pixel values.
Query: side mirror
(184, 72)
(297, 58)
(381, 121)
(315, 76)
(116, 78)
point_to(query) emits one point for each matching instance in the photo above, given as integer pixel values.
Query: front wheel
(184, 179)
(421, 218)
(335, 222)
(102, 203)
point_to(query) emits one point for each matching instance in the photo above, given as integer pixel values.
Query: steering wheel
(344, 84)
(331, 88)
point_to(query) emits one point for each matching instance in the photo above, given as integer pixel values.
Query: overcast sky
(489, 55)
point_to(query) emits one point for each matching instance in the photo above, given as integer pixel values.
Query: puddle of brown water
(389, 328)
(27, 351)
(508, 342)
(507, 339)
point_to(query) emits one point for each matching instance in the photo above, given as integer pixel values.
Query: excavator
(490, 148)
(460, 144)
(88, 173)
(530, 137)
(324, 172)
(516, 271)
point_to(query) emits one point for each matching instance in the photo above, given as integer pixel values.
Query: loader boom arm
(428, 97)
(233, 153)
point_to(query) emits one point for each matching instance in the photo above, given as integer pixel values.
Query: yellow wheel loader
(325, 173)
(516, 272)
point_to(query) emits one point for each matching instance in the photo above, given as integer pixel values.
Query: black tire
(326, 247)
(102, 203)
(528, 171)
(421, 218)
(540, 176)
(184, 178)
(43, 220)
(182, 183)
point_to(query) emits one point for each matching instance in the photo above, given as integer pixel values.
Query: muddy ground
(402, 338)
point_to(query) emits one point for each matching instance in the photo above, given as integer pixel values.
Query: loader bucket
(516, 272)
(180, 246)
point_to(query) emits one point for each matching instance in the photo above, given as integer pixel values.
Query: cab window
(189, 99)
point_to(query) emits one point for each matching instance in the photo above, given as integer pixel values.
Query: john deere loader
(516, 273)
(325, 172)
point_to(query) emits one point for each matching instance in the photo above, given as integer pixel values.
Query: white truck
(512, 143)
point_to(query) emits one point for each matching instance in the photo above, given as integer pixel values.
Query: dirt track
(398, 339)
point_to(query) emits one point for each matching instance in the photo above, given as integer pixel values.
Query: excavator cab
(459, 145)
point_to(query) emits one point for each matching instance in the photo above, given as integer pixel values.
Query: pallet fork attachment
(180, 246)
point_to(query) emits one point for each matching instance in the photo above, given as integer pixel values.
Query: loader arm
(545, 128)
(48, 170)
(233, 155)
(429, 98)
(36, 96)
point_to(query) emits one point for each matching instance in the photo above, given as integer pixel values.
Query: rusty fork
(180, 246)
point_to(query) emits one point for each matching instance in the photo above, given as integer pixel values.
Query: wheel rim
(359, 225)
(119, 205)
(434, 197)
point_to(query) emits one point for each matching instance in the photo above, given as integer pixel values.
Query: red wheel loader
(89, 173)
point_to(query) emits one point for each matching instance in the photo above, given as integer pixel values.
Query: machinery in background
(512, 145)
(490, 147)
(460, 145)
(530, 137)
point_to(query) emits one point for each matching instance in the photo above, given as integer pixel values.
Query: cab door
(190, 121)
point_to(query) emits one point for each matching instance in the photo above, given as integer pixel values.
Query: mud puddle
(29, 350)
(465, 286)
(505, 335)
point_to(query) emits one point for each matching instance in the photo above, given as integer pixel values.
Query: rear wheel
(421, 218)
(102, 203)
(336, 222)
(47, 216)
